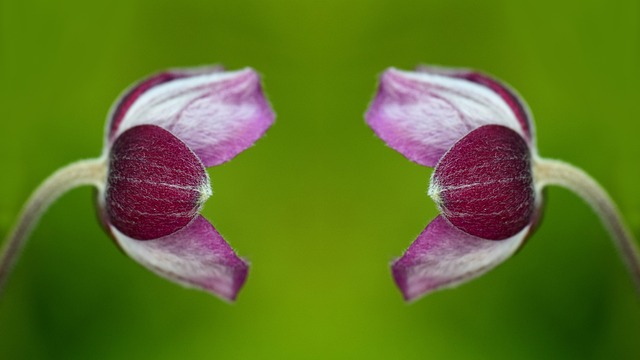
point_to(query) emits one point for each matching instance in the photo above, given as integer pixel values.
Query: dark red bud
(484, 185)
(156, 185)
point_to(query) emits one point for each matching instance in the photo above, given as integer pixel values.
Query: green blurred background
(320, 205)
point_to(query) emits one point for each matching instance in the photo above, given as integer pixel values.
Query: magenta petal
(217, 114)
(130, 95)
(443, 256)
(484, 184)
(155, 184)
(422, 115)
(506, 92)
(196, 256)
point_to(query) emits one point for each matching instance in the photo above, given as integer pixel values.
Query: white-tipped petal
(195, 256)
(444, 256)
(423, 114)
(217, 114)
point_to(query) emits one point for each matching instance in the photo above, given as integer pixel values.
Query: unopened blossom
(161, 135)
(478, 135)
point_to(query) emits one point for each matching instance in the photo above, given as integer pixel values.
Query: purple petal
(217, 115)
(196, 256)
(155, 184)
(444, 256)
(130, 95)
(507, 93)
(484, 186)
(422, 115)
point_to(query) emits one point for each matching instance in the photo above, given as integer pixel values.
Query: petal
(484, 184)
(517, 104)
(130, 95)
(422, 115)
(155, 184)
(443, 256)
(217, 114)
(196, 256)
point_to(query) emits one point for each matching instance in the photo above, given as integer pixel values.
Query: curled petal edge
(513, 99)
(217, 114)
(421, 115)
(196, 256)
(444, 256)
(131, 94)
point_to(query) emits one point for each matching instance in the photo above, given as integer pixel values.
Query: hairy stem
(85, 172)
(554, 172)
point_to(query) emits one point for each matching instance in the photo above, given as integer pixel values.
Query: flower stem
(84, 172)
(554, 172)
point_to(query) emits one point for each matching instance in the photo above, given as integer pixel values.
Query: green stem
(85, 172)
(554, 172)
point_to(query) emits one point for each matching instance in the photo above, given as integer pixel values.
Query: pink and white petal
(443, 256)
(506, 92)
(131, 94)
(196, 256)
(422, 115)
(218, 115)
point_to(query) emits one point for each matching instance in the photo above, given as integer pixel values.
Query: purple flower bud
(483, 185)
(160, 136)
(478, 134)
(156, 185)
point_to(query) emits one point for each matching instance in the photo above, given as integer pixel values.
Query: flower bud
(483, 185)
(156, 185)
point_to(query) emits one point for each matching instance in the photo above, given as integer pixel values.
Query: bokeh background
(320, 205)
